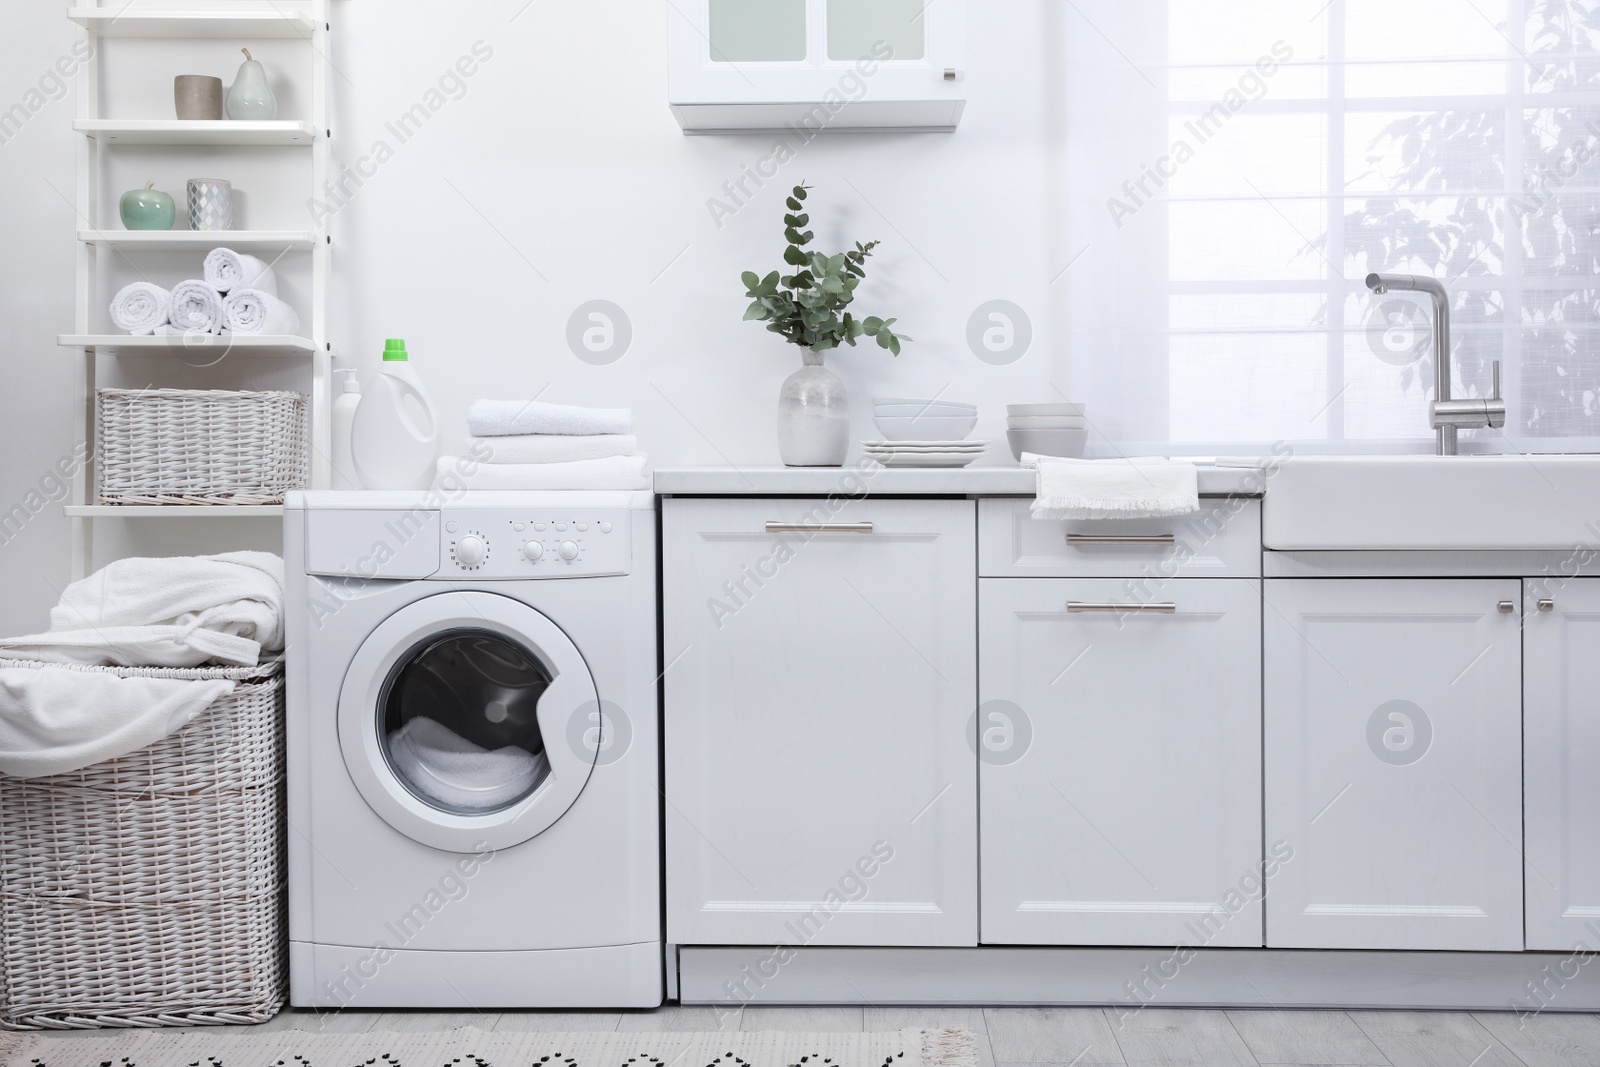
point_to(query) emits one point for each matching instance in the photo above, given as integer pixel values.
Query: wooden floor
(1083, 1036)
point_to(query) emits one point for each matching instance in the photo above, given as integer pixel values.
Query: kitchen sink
(1544, 502)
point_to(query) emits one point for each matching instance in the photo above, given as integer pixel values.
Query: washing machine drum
(467, 720)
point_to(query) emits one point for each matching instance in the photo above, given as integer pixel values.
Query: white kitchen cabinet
(1121, 762)
(1561, 761)
(806, 66)
(820, 670)
(1393, 763)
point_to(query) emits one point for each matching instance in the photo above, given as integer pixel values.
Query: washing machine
(473, 755)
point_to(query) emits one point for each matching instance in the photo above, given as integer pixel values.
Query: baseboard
(1128, 979)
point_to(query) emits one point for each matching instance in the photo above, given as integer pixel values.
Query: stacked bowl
(924, 433)
(1046, 429)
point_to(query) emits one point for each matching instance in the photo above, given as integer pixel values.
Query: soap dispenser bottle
(395, 436)
(343, 462)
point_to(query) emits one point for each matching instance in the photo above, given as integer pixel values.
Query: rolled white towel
(196, 307)
(253, 311)
(141, 307)
(226, 270)
(613, 472)
(504, 418)
(552, 448)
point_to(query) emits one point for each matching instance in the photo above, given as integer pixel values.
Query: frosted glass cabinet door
(1393, 762)
(1561, 732)
(819, 785)
(1120, 763)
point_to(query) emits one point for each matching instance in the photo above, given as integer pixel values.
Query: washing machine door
(464, 721)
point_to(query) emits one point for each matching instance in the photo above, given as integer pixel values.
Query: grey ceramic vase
(197, 96)
(813, 416)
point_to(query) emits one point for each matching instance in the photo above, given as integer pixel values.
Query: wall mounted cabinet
(817, 64)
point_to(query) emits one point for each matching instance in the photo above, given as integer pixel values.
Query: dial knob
(533, 550)
(471, 551)
(569, 550)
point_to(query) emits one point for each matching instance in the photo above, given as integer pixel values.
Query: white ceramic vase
(813, 416)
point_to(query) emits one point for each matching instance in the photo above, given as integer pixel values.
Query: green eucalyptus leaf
(800, 192)
(750, 279)
(793, 255)
(832, 285)
(794, 236)
(793, 204)
(873, 323)
(769, 284)
(756, 310)
(894, 344)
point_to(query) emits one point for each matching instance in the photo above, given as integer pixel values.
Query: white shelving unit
(307, 21)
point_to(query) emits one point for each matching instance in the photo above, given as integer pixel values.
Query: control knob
(534, 551)
(569, 550)
(471, 551)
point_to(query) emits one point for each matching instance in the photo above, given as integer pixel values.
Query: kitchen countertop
(858, 476)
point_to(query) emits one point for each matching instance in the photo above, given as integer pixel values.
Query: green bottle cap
(394, 350)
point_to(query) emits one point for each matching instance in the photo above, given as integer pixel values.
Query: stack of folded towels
(238, 294)
(532, 445)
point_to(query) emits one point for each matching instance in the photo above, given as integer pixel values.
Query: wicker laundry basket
(148, 890)
(200, 446)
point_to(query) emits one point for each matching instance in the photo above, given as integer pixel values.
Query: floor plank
(819, 1020)
(1180, 1037)
(677, 1017)
(331, 1021)
(1051, 1035)
(931, 1018)
(416, 1022)
(1433, 1039)
(1305, 1037)
(1550, 1039)
(522, 1022)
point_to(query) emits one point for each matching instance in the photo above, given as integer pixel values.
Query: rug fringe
(949, 1046)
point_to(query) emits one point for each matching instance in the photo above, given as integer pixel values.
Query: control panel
(547, 543)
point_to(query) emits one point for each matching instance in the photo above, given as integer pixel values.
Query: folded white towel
(444, 766)
(226, 269)
(196, 306)
(613, 472)
(552, 448)
(57, 719)
(250, 311)
(503, 418)
(1113, 488)
(141, 307)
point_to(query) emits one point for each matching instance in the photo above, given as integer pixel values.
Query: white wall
(559, 177)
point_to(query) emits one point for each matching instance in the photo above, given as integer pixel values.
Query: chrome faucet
(1445, 415)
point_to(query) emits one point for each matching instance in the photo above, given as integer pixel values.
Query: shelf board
(184, 240)
(241, 344)
(214, 132)
(173, 511)
(251, 23)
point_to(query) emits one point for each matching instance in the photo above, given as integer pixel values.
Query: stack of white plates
(1046, 429)
(924, 453)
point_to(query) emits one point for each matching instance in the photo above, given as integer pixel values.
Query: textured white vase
(813, 416)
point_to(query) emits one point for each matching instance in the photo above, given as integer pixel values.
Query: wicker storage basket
(148, 890)
(188, 446)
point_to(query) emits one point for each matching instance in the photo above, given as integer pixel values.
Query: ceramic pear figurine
(250, 97)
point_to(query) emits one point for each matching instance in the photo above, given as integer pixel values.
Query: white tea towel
(141, 307)
(196, 306)
(613, 472)
(251, 311)
(226, 269)
(1113, 488)
(173, 612)
(503, 418)
(444, 766)
(552, 447)
(56, 719)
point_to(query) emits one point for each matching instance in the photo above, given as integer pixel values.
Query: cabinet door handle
(820, 527)
(1121, 539)
(1078, 607)
(1547, 605)
(1507, 607)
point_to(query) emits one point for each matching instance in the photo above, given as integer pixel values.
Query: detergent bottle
(394, 437)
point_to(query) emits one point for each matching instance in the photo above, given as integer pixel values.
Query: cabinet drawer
(1221, 540)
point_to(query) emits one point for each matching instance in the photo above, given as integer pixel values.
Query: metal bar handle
(821, 527)
(1078, 607)
(1121, 539)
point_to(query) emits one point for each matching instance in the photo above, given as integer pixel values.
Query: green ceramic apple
(147, 209)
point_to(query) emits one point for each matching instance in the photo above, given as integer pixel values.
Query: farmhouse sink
(1432, 502)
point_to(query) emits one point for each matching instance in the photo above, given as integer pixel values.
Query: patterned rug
(469, 1047)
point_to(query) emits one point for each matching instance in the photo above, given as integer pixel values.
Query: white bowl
(1044, 409)
(900, 401)
(919, 410)
(925, 427)
(1047, 422)
(1065, 443)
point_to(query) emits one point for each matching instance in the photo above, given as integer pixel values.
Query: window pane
(755, 31)
(855, 27)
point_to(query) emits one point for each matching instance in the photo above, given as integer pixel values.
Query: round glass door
(458, 720)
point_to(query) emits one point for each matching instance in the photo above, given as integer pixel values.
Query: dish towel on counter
(141, 307)
(505, 418)
(196, 307)
(226, 270)
(252, 311)
(612, 472)
(1113, 488)
(459, 774)
(552, 448)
